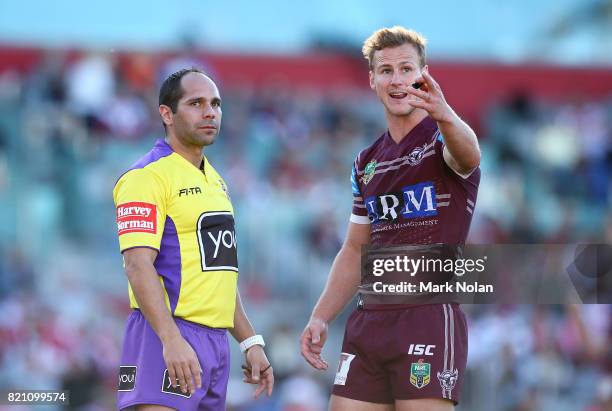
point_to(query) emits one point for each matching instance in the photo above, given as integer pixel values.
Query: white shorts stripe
(452, 337)
(445, 345)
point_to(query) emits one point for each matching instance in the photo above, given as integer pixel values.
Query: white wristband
(251, 341)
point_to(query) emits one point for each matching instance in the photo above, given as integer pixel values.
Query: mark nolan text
(430, 287)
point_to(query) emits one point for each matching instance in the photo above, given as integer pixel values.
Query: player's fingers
(255, 371)
(190, 377)
(260, 388)
(309, 356)
(420, 104)
(307, 352)
(197, 373)
(315, 334)
(267, 379)
(305, 341)
(429, 80)
(315, 360)
(423, 86)
(172, 375)
(323, 362)
(317, 349)
(247, 373)
(180, 376)
(418, 93)
(269, 376)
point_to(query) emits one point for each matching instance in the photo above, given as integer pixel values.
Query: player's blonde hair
(393, 37)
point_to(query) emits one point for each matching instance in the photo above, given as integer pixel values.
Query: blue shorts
(143, 377)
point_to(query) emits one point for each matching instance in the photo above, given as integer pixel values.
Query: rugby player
(176, 233)
(416, 184)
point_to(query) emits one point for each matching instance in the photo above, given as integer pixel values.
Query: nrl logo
(420, 373)
(368, 173)
(416, 156)
(448, 379)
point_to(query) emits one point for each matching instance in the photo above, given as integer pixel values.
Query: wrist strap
(251, 341)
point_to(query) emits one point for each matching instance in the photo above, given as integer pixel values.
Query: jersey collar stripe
(399, 159)
(407, 161)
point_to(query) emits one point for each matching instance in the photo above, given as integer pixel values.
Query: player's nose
(396, 78)
(209, 112)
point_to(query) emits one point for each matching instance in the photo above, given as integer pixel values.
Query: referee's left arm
(258, 369)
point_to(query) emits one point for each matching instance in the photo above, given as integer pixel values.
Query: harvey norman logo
(136, 217)
(413, 201)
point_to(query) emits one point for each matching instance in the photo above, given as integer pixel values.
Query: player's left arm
(258, 369)
(461, 150)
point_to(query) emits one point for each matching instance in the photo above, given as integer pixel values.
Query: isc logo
(420, 349)
(217, 241)
(414, 201)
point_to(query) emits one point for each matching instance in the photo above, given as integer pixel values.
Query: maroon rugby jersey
(409, 194)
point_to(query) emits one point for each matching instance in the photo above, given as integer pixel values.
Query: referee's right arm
(181, 360)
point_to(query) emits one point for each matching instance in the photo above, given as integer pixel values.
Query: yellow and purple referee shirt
(166, 203)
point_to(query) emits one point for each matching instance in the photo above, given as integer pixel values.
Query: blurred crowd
(72, 124)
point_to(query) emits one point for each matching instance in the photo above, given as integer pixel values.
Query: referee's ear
(166, 114)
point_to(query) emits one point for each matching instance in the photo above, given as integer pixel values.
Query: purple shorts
(403, 354)
(143, 377)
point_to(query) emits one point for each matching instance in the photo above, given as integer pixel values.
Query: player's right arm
(181, 360)
(342, 283)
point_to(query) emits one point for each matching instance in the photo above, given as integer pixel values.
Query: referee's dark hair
(171, 91)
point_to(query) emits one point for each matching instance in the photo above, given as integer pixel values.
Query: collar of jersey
(162, 144)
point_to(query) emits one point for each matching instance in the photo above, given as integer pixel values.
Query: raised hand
(430, 98)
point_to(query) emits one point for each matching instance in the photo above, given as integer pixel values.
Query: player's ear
(372, 86)
(425, 69)
(166, 114)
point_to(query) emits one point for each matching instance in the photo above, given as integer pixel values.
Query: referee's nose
(209, 112)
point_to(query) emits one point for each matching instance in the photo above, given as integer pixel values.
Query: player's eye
(407, 69)
(195, 103)
(216, 103)
(386, 71)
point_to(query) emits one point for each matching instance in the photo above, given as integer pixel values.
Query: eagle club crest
(448, 379)
(415, 157)
(368, 173)
(420, 374)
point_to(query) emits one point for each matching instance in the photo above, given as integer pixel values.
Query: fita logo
(368, 173)
(448, 379)
(189, 190)
(420, 373)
